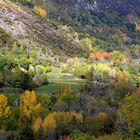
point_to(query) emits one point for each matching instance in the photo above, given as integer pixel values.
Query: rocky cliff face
(27, 26)
(121, 6)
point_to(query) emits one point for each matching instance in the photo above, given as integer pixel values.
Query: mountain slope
(121, 6)
(99, 18)
(33, 30)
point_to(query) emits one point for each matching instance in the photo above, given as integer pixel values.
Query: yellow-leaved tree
(29, 108)
(77, 116)
(4, 107)
(102, 116)
(40, 11)
(37, 124)
(49, 122)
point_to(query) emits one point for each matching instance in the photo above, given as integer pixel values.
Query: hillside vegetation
(69, 70)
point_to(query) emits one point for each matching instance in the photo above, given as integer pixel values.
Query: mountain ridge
(123, 6)
(98, 18)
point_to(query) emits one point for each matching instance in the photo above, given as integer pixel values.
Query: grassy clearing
(56, 78)
(53, 88)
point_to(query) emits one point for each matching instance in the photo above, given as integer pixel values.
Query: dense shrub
(130, 112)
